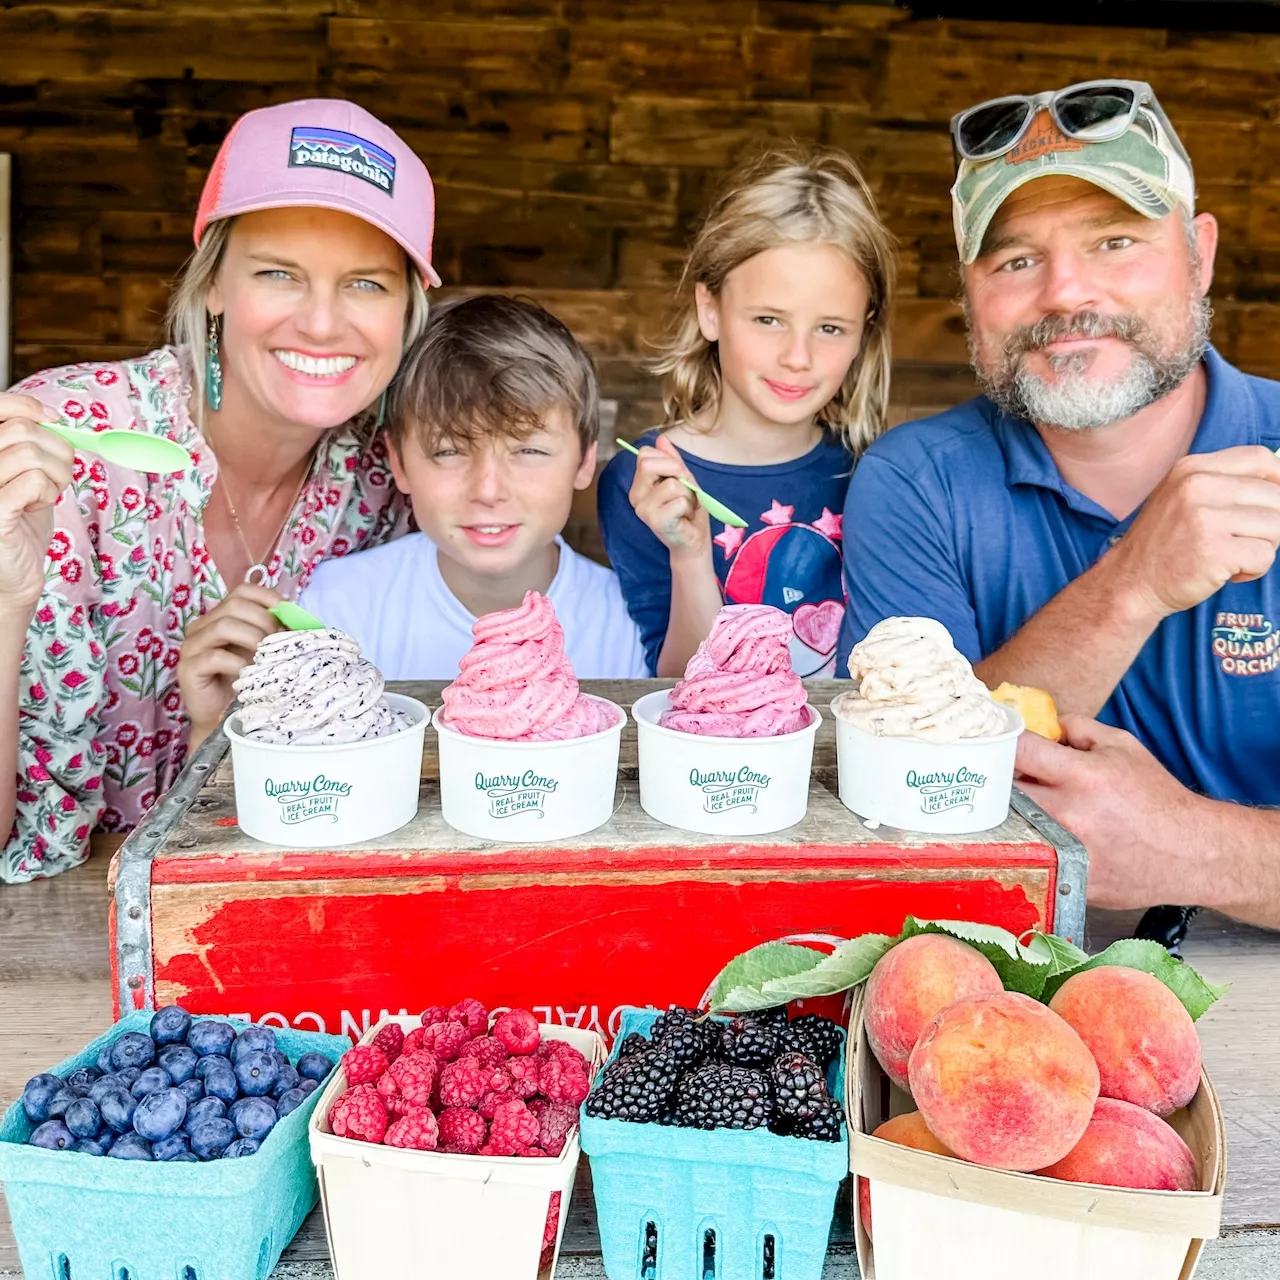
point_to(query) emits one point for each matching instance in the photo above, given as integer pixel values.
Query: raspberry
(417, 1131)
(556, 1120)
(390, 1040)
(518, 1030)
(488, 1105)
(515, 1128)
(561, 1079)
(550, 1231)
(463, 1083)
(435, 1014)
(462, 1131)
(415, 1077)
(445, 1040)
(523, 1074)
(413, 1041)
(487, 1051)
(472, 1014)
(363, 1064)
(391, 1096)
(359, 1113)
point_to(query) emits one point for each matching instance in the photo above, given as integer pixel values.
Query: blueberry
(254, 1039)
(205, 1109)
(286, 1080)
(256, 1073)
(185, 1158)
(117, 1108)
(53, 1135)
(81, 1080)
(210, 1138)
(61, 1101)
(211, 1062)
(253, 1117)
(192, 1090)
(283, 1059)
(170, 1025)
(90, 1147)
(39, 1092)
(179, 1060)
(221, 1083)
(240, 1147)
(104, 1059)
(128, 1076)
(105, 1084)
(308, 1086)
(211, 1036)
(174, 1145)
(83, 1119)
(106, 1139)
(290, 1102)
(152, 1080)
(133, 1049)
(160, 1114)
(314, 1066)
(131, 1146)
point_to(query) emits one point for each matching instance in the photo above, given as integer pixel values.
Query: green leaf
(988, 934)
(1197, 995)
(1019, 968)
(847, 966)
(1060, 954)
(745, 975)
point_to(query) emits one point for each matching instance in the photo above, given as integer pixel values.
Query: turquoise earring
(382, 410)
(213, 368)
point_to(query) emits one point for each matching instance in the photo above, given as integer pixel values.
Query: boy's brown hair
(491, 365)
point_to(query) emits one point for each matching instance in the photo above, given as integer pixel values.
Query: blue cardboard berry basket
(683, 1204)
(84, 1217)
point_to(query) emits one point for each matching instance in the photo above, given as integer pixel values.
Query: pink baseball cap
(323, 153)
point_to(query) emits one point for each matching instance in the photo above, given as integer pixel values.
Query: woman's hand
(216, 647)
(666, 506)
(35, 467)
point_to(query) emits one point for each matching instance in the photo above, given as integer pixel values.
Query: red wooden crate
(635, 913)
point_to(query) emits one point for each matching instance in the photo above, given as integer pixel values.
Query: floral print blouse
(102, 731)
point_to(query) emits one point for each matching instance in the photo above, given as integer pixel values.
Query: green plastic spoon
(294, 617)
(713, 507)
(132, 449)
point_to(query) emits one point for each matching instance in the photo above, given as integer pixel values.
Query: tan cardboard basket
(938, 1218)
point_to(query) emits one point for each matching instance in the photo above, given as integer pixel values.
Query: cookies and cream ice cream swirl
(312, 687)
(912, 682)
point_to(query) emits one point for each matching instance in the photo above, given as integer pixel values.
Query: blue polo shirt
(964, 517)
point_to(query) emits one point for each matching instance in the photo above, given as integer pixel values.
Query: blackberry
(815, 1037)
(799, 1088)
(633, 1043)
(748, 1042)
(719, 1096)
(637, 1088)
(824, 1124)
(676, 1014)
(775, 1017)
(679, 1033)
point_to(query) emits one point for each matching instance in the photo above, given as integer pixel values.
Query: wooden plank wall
(574, 143)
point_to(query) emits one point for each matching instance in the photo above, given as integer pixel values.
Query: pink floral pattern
(102, 731)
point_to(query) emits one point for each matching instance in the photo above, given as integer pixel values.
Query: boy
(491, 427)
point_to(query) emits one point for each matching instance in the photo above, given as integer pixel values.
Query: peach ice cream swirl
(740, 683)
(516, 683)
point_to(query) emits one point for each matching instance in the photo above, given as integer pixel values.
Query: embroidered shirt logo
(1245, 644)
(513, 793)
(729, 788)
(333, 149)
(302, 799)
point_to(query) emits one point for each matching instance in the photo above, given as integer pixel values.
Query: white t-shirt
(393, 600)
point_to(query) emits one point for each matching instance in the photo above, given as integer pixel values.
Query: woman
(313, 254)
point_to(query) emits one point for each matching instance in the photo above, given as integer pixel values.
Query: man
(1103, 523)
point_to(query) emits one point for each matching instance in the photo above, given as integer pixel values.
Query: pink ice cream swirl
(740, 683)
(516, 683)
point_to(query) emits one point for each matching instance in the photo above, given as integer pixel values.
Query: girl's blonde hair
(790, 196)
(188, 315)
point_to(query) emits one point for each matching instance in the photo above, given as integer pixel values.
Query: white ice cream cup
(528, 792)
(943, 788)
(330, 794)
(721, 786)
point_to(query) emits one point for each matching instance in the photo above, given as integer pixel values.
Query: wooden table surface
(55, 995)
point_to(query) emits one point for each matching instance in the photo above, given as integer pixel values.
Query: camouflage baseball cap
(1145, 167)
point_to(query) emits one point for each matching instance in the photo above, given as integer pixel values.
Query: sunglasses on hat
(1092, 111)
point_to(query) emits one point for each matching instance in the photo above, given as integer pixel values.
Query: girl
(776, 378)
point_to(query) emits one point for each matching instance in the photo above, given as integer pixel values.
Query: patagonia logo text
(344, 152)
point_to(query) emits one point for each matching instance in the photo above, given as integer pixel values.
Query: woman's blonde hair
(188, 315)
(790, 196)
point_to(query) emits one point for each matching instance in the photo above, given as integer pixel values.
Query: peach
(910, 984)
(1141, 1037)
(908, 1130)
(1127, 1146)
(1004, 1081)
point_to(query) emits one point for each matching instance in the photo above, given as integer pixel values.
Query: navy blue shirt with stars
(788, 556)
(964, 517)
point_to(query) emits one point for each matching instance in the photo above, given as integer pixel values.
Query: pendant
(261, 568)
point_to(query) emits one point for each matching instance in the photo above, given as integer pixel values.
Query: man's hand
(1131, 814)
(214, 650)
(665, 505)
(1214, 519)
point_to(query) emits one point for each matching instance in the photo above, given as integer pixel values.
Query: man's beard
(1073, 401)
